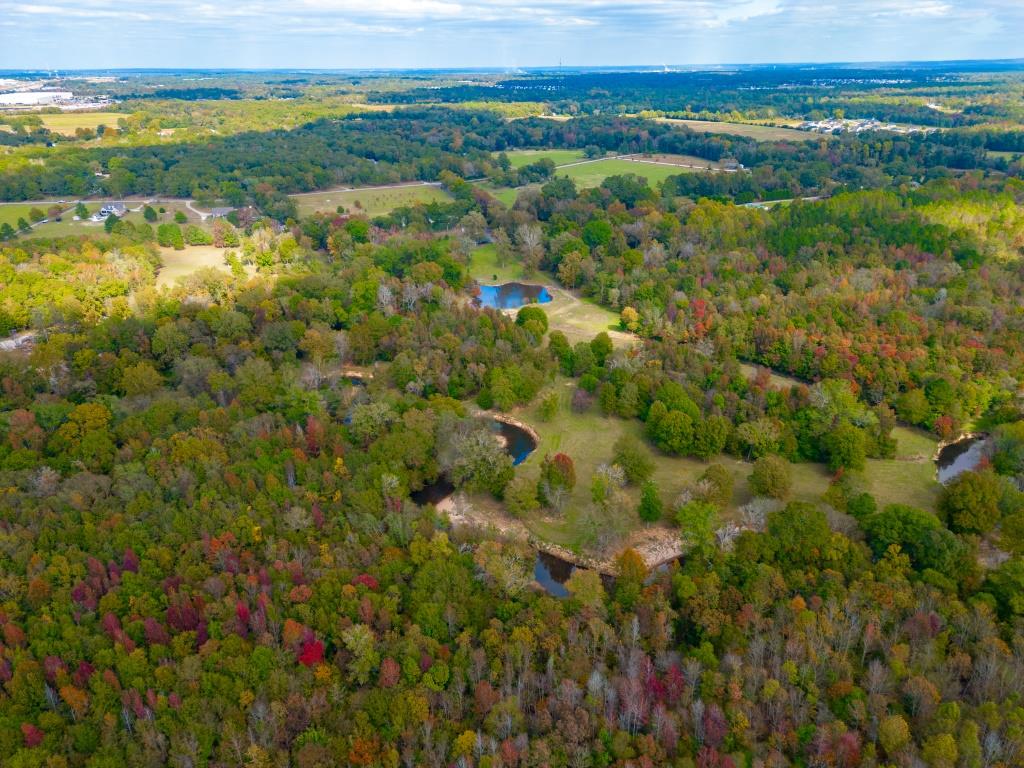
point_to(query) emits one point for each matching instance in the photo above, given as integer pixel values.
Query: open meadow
(371, 201)
(179, 264)
(749, 130)
(484, 266)
(520, 157)
(588, 438)
(66, 123)
(591, 174)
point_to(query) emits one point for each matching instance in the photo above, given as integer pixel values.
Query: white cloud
(485, 32)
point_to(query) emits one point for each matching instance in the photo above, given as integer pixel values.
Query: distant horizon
(670, 68)
(446, 35)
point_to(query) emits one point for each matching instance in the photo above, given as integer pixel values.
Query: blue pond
(512, 295)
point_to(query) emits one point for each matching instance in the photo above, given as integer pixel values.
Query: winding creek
(518, 443)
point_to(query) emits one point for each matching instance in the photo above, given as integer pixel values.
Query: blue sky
(499, 33)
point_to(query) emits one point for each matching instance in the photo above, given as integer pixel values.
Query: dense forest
(218, 540)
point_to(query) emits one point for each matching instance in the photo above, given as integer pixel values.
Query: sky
(68, 34)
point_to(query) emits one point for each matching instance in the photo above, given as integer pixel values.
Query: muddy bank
(657, 545)
(512, 421)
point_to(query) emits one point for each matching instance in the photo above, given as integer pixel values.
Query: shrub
(634, 458)
(720, 483)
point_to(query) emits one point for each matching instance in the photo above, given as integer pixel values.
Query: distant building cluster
(35, 98)
(839, 125)
(37, 94)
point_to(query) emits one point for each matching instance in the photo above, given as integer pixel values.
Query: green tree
(521, 497)
(549, 406)
(601, 346)
(771, 476)
(1006, 584)
(970, 503)
(533, 319)
(141, 379)
(846, 447)
(674, 432)
(149, 214)
(710, 436)
(893, 734)
(597, 232)
(651, 507)
(799, 534)
(696, 520)
(169, 236)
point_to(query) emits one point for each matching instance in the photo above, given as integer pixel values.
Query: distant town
(839, 125)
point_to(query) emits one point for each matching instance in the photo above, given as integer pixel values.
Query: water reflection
(512, 295)
(551, 573)
(962, 456)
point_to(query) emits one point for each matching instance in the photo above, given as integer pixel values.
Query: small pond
(962, 456)
(511, 295)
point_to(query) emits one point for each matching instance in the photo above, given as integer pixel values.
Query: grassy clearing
(375, 201)
(507, 195)
(66, 123)
(179, 264)
(776, 380)
(580, 319)
(11, 212)
(520, 157)
(484, 267)
(588, 438)
(756, 132)
(1004, 155)
(592, 174)
(690, 162)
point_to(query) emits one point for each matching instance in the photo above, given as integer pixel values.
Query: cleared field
(580, 319)
(1004, 155)
(520, 157)
(178, 264)
(372, 201)
(588, 438)
(592, 174)
(756, 132)
(483, 266)
(685, 161)
(66, 123)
